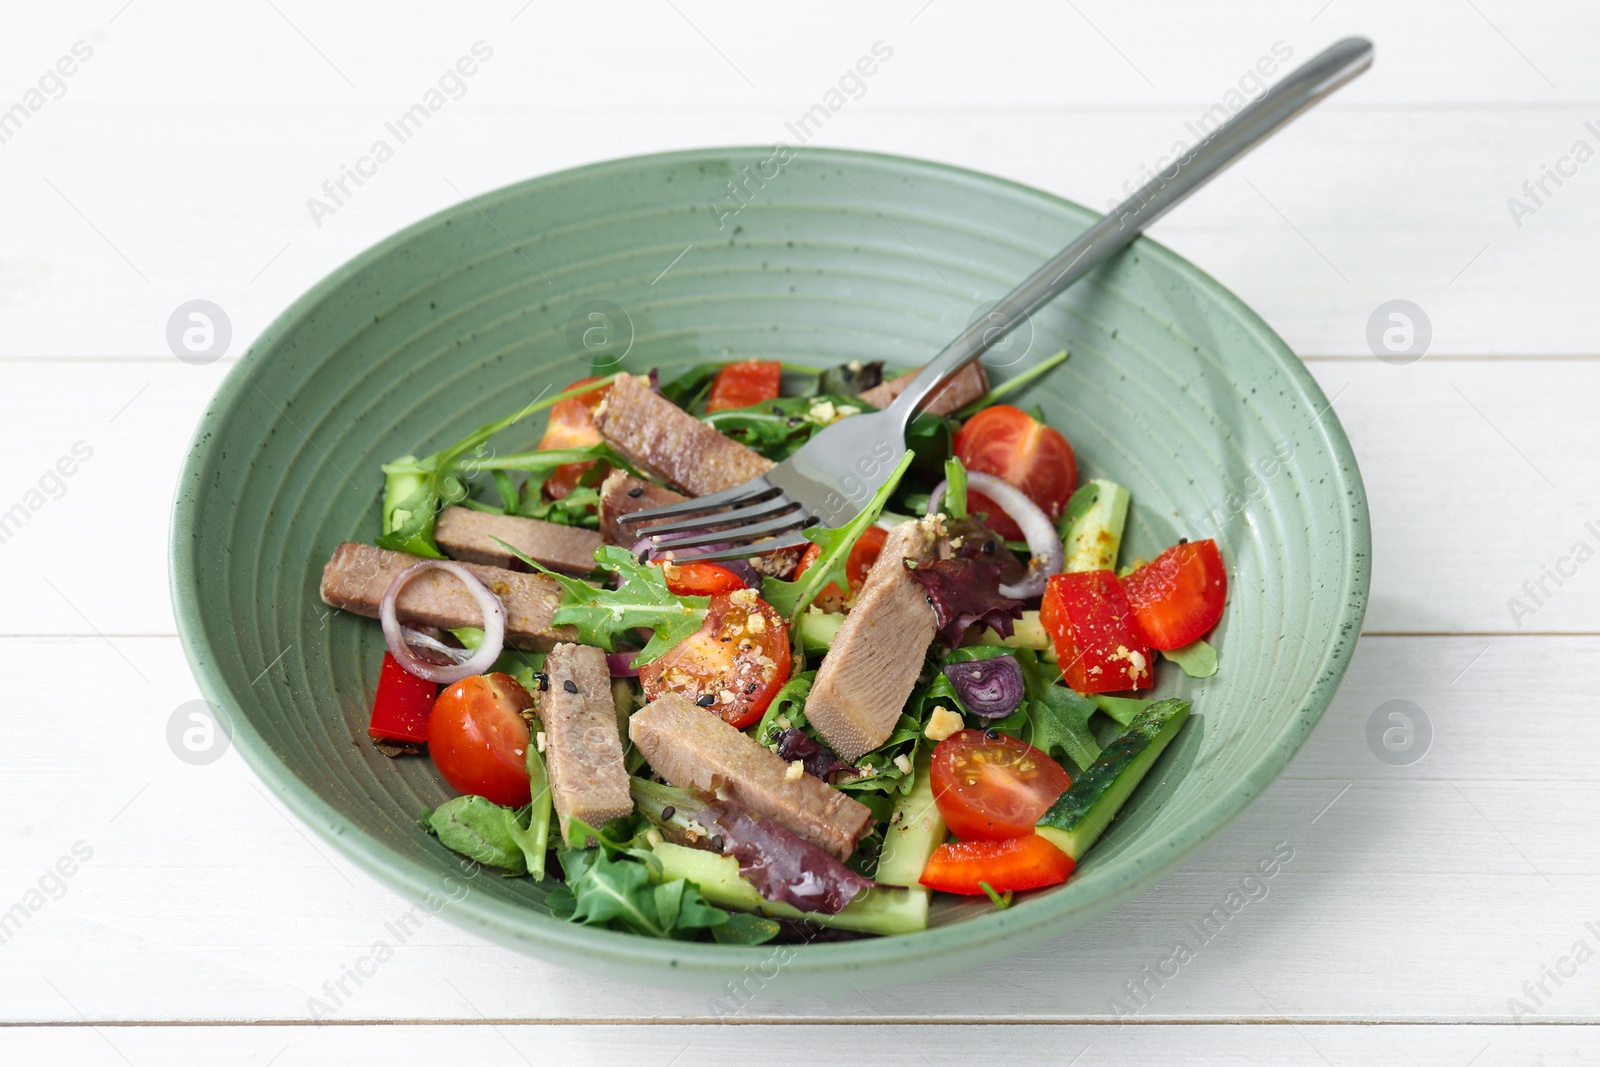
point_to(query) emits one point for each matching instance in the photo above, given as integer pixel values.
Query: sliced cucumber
(882, 911)
(915, 829)
(1093, 540)
(1026, 632)
(1077, 818)
(818, 629)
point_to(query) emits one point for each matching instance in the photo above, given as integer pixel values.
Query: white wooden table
(175, 163)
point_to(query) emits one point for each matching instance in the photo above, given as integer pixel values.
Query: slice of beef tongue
(662, 439)
(470, 536)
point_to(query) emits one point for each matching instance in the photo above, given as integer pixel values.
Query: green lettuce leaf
(1198, 659)
(602, 614)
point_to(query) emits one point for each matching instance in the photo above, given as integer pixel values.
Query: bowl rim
(975, 940)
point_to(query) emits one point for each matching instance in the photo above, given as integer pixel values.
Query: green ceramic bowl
(1174, 389)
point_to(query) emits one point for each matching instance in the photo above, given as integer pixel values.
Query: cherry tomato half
(863, 554)
(572, 425)
(700, 579)
(993, 788)
(478, 740)
(742, 385)
(1178, 596)
(732, 666)
(1098, 641)
(1023, 452)
(1018, 863)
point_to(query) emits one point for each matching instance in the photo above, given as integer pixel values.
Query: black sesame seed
(706, 701)
(636, 492)
(751, 688)
(668, 812)
(1183, 540)
(992, 734)
(716, 842)
(542, 680)
(776, 410)
(570, 686)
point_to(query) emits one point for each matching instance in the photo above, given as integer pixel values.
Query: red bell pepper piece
(1016, 863)
(742, 385)
(1098, 641)
(401, 708)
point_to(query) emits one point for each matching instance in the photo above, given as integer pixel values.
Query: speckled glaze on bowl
(1174, 388)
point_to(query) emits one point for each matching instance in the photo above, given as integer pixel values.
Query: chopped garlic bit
(745, 598)
(903, 762)
(539, 741)
(795, 771)
(942, 723)
(756, 624)
(783, 722)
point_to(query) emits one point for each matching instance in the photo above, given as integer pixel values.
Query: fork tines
(745, 520)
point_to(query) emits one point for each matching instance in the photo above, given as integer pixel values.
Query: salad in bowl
(944, 695)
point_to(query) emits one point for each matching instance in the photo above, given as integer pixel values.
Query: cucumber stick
(818, 629)
(879, 910)
(915, 829)
(1095, 537)
(1077, 818)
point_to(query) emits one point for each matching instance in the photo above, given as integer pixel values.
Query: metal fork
(837, 472)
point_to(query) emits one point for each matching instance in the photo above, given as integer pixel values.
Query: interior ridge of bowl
(1174, 388)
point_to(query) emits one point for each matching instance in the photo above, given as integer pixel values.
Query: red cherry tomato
(863, 554)
(1023, 452)
(700, 579)
(993, 788)
(478, 740)
(742, 385)
(1178, 596)
(1018, 863)
(733, 666)
(572, 425)
(1098, 641)
(401, 707)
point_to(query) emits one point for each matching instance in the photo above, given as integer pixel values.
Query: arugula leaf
(789, 703)
(493, 834)
(580, 507)
(742, 928)
(777, 428)
(791, 598)
(1011, 385)
(692, 386)
(1078, 504)
(1122, 709)
(535, 839)
(621, 891)
(602, 614)
(415, 489)
(1198, 659)
(955, 493)
(1058, 717)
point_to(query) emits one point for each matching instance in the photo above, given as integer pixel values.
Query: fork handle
(1311, 82)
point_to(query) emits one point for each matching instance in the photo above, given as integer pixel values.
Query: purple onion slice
(989, 688)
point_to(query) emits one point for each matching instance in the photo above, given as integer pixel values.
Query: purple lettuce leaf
(820, 760)
(782, 865)
(965, 592)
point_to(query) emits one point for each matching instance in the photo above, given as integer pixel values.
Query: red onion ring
(1045, 548)
(448, 653)
(494, 625)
